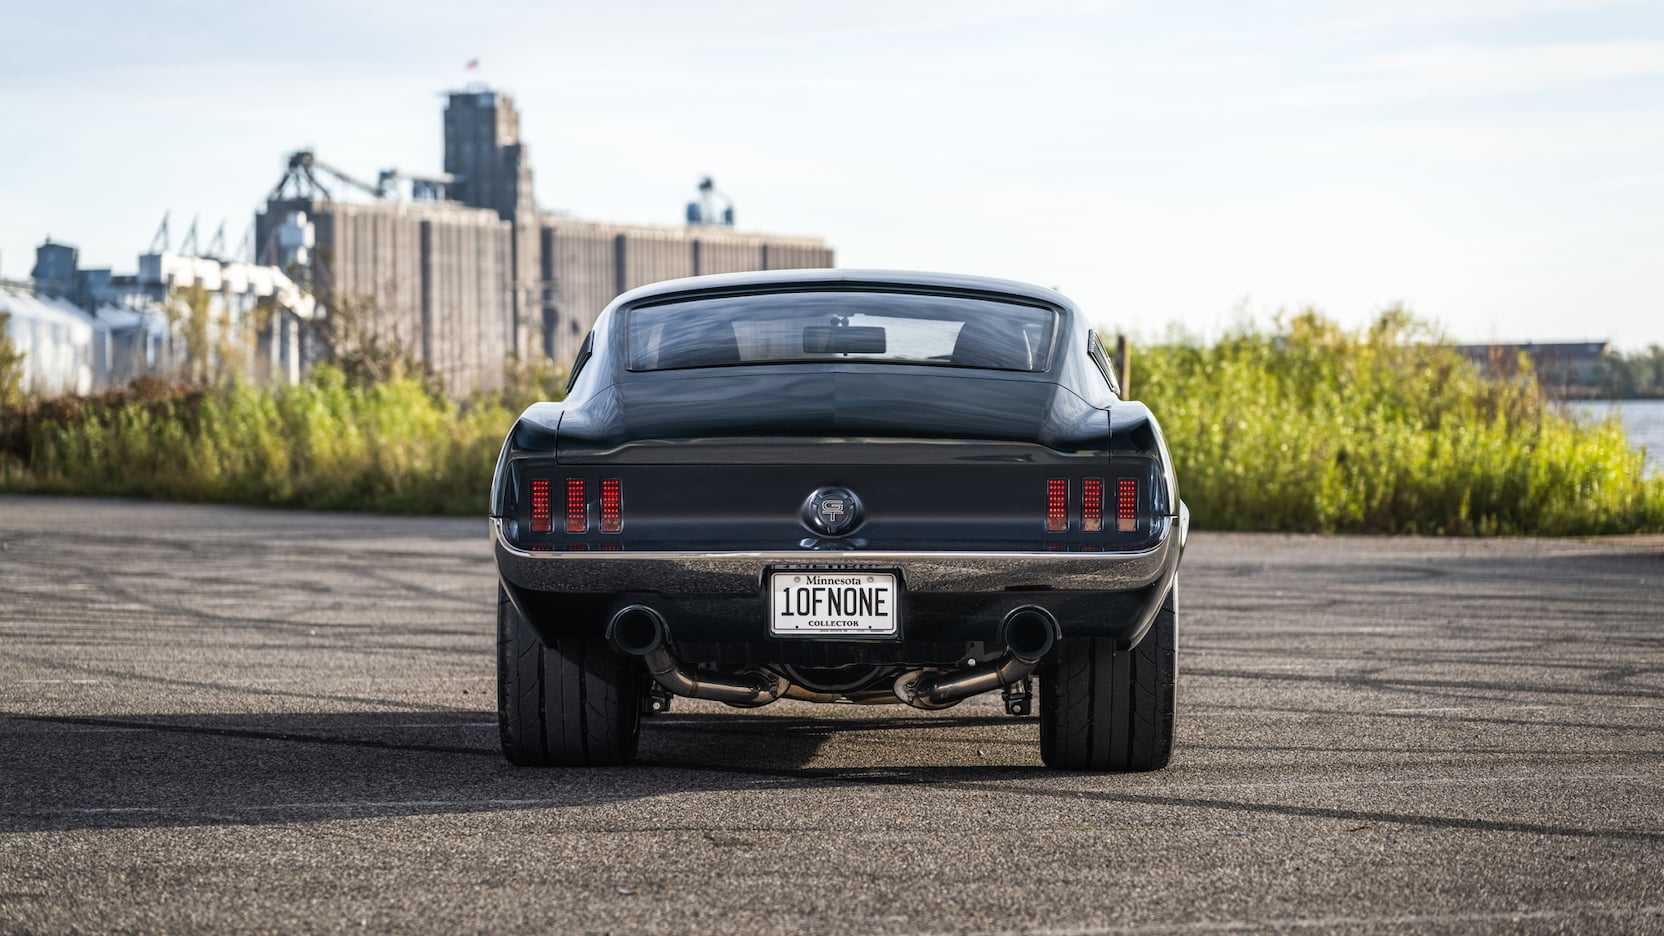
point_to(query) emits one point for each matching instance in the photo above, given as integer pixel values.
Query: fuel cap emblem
(832, 511)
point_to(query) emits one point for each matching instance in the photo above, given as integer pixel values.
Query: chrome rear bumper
(734, 573)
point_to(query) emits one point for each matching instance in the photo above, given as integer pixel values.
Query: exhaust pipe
(885, 696)
(1028, 634)
(639, 631)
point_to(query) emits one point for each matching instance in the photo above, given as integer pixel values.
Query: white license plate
(857, 603)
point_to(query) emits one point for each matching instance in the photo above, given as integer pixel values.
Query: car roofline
(721, 282)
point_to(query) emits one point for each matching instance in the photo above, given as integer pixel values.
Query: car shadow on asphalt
(152, 771)
(156, 772)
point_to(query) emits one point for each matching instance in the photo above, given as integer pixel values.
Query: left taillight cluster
(1123, 513)
(575, 517)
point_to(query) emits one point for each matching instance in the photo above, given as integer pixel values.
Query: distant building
(1563, 368)
(460, 268)
(65, 350)
(54, 270)
(85, 330)
(468, 271)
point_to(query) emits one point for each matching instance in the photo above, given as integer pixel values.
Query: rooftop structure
(466, 271)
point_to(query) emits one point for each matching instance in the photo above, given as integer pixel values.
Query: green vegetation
(1386, 430)
(1633, 376)
(1307, 427)
(397, 445)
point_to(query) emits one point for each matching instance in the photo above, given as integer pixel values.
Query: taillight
(577, 507)
(542, 521)
(612, 505)
(1126, 505)
(1092, 505)
(1057, 505)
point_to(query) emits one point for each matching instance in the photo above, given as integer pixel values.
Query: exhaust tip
(1029, 633)
(637, 630)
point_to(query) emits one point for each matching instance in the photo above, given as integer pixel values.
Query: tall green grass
(1306, 427)
(1317, 428)
(395, 446)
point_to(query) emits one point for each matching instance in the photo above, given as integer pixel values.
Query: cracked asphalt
(221, 719)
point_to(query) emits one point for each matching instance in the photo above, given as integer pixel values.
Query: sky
(1496, 166)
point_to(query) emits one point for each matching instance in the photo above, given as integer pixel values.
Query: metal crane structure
(300, 180)
(188, 246)
(216, 244)
(161, 242)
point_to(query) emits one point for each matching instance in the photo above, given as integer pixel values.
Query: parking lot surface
(223, 719)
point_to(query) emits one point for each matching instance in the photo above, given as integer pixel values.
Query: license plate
(861, 604)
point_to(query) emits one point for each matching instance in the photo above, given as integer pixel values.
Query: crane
(300, 180)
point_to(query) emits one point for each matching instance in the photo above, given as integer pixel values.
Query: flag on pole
(473, 64)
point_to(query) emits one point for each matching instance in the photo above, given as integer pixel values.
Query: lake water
(1643, 422)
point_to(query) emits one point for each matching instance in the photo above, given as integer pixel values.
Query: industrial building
(82, 330)
(1565, 369)
(460, 268)
(464, 269)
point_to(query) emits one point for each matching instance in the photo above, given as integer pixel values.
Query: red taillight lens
(612, 505)
(542, 521)
(577, 507)
(1092, 505)
(1057, 505)
(1126, 505)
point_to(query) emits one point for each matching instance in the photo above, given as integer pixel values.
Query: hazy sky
(1496, 165)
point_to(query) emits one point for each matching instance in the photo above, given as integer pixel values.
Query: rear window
(829, 326)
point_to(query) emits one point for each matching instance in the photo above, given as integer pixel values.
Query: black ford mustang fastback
(838, 486)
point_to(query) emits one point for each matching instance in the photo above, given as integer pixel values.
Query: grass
(1311, 427)
(1306, 427)
(395, 446)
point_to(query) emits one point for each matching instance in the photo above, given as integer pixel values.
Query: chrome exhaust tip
(637, 630)
(1029, 633)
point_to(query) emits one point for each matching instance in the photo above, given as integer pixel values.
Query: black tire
(575, 704)
(1109, 711)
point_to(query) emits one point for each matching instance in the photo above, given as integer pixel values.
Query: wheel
(577, 703)
(1103, 710)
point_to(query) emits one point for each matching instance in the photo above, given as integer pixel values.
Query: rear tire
(574, 704)
(1111, 711)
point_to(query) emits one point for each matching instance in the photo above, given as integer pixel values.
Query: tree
(369, 346)
(11, 365)
(1633, 376)
(190, 318)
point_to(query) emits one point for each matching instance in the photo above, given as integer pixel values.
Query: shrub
(327, 443)
(1387, 430)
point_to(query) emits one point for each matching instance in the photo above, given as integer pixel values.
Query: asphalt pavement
(219, 719)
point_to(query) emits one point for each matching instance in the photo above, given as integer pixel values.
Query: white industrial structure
(65, 350)
(83, 330)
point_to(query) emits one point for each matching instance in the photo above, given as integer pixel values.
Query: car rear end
(870, 519)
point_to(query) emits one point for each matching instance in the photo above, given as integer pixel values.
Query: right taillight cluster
(1092, 505)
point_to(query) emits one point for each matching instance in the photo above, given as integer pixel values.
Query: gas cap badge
(833, 511)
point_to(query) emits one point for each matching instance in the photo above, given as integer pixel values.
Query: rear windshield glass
(841, 326)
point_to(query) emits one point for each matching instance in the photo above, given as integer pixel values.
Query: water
(1643, 423)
